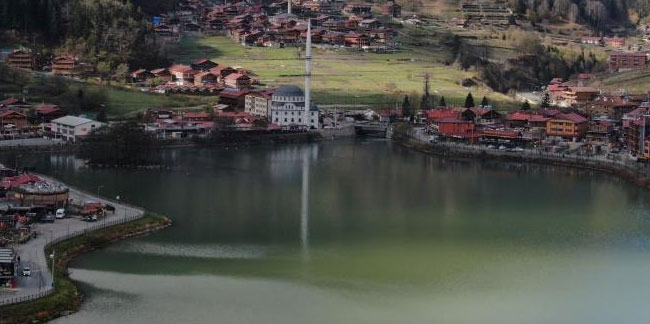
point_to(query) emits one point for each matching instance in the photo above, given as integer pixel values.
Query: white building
(259, 103)
(288, 108)
(71, 127)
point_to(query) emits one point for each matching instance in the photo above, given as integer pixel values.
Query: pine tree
(442, 102)
(469, 101)
(406, 107)
(426, 97)
(484, 102)
(525, 105)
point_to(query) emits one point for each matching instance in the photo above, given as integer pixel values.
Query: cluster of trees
(537, 66)
(110, 31)
(594, 13)
(121, 145)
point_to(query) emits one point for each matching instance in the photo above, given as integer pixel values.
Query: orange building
(12, 117)
(65, 65)
(569, 125)
(580, 95)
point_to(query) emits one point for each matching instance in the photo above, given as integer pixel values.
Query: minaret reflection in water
(310, 153)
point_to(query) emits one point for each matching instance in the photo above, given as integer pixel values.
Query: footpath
(32, 253)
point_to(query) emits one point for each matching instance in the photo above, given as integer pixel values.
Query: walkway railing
(48, 290)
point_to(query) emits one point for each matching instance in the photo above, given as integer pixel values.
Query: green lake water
(365, 232)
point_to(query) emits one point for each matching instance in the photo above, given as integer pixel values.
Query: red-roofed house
(12, 117)
(569, 125)
(579, 95)
(162, 74)
(13, 102)
(48, 113)
(457, 128)
(205, 78)
(233, 98)
(203, 65)
(184, 74)
(238, 81)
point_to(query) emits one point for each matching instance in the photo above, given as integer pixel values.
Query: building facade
(71, 128)
(288, 108)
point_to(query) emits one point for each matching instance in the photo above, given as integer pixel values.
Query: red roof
(572, 117)
(8, 113)
(526, 117)
(442, 113)
(11, 101)
(181, 68)
(19, 180)
(47, 109)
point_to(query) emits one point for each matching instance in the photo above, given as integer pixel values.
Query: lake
(365, 231)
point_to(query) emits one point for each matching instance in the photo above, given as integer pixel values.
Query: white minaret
(289, 6)
(308, 74)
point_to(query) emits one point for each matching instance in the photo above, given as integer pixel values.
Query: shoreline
(67, 298)
(636, 177)
(44, 303)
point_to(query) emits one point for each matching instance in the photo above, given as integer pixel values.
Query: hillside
(109, 31)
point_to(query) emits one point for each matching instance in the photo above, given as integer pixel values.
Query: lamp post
(99, 188)
(52, 257)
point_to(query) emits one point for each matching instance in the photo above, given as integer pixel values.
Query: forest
(111, 31)
(600, 15)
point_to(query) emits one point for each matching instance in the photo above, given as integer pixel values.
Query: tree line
(597, 14)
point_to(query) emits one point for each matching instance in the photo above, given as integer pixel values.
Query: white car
(60, 213)
(27, 272)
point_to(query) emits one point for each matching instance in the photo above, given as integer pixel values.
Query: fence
(91, 228)
(631, 167)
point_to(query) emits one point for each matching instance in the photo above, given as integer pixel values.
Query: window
(276, 119)
(285, 120)
(292, 120)
(300, 120)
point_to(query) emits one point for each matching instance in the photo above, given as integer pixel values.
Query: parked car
(27, 272)
(48, 218)
(60, 213)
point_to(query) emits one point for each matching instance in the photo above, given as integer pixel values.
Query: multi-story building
(259, 103)
(571, 125)
(22, 59)
(627, 61)
(579, 95)
(66, 65)
(70, 127)
(183, 74)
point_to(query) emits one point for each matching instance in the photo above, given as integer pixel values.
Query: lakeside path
(32, 253)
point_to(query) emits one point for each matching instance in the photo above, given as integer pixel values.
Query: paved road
(32, 253)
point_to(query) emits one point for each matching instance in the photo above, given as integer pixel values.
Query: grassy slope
(341, 77)
(635, 82)
(121, 101)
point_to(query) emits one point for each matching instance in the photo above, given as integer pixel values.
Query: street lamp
(52, 257)
(99, 188)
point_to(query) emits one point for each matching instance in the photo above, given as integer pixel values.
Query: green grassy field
(120, 101)
(634, 82)
(342, 76)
